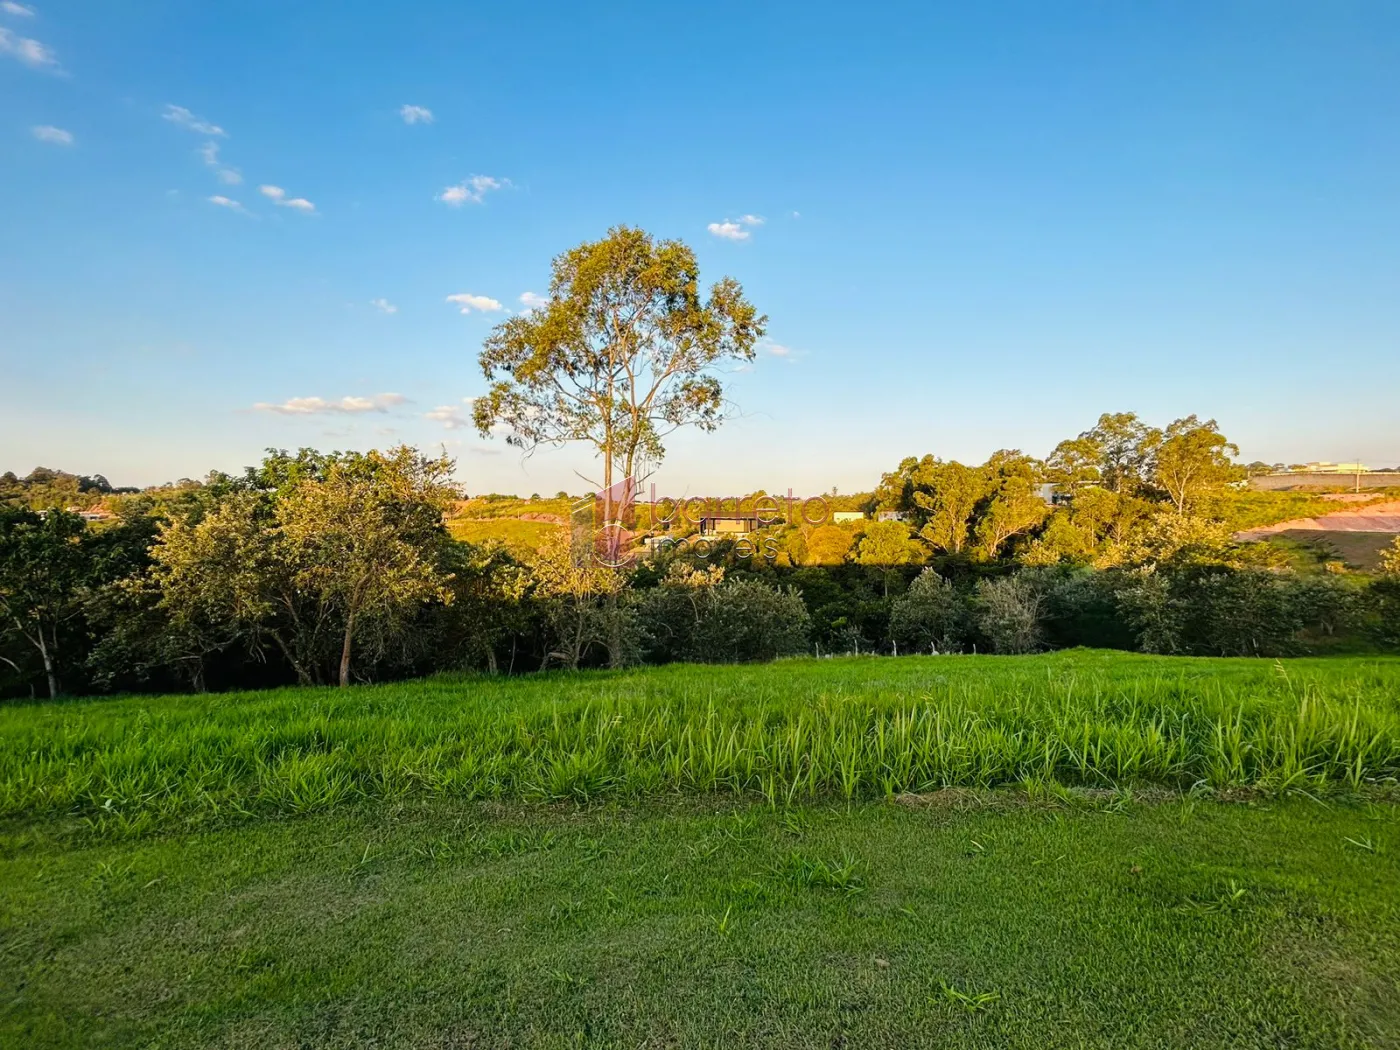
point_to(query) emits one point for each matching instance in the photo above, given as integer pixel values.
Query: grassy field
(1356, 550)
(522, 536)
(807, 853)
(801, 729)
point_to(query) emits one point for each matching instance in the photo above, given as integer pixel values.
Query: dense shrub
(1010, 613)
(734, 621)
(1082, 608)
(1221, 611)
(931, 616)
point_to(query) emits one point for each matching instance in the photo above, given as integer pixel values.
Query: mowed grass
(963, 919)
(785, 732)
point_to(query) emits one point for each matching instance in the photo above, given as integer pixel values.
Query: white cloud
(532, 302)
(729, 231)
(416, 114)
(185, 119)
(384, 305)
(209, 153)
(30, 52)
(280, 198)
(49, 133)
(229, 203)
(778, 350)
(18, 10)
(450, 416)
(471, 190)
(468, 302)
(319, 406)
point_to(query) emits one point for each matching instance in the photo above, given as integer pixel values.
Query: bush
(1080, 607)
(930, 616)
(735, 621)
(1383, 600)
(1221, 611)
(1151, 609)
(1010, 613)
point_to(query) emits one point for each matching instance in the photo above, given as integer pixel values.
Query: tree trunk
(345, 650)
(303, 676)
(49, 670)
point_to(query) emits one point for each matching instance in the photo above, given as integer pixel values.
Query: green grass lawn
(977, 920)
(806, 853)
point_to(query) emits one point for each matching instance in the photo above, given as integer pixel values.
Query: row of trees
(320, 568)
(1111, 482)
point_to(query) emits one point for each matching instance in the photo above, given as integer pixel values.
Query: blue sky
(983, 224)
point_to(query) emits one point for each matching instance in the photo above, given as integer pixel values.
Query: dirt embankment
(1373, 517)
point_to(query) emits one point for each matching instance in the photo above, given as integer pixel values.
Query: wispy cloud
(49, 133)
(182, 117)
(384, 306)
(319, 406)
(472, 190)
(480, 303)
(786, 353)
(209, 153)
(450, 416)
(28, 51)
(532, 302)
(416, 114)
(18, 10)
(279, 197)
(731, 230)
(229, 203)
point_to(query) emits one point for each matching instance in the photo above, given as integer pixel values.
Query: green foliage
(885, 544)
(705, 618)
(51, 563)
(624, 351)
(305, 552)
(930, 616)
(582, 606)
(1193, 458)
(314, 566)
(1390, 560)
(1009, 612)
(43, 489)
(828, 545)
(1224, 611)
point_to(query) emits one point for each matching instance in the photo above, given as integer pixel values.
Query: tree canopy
(625, 350)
